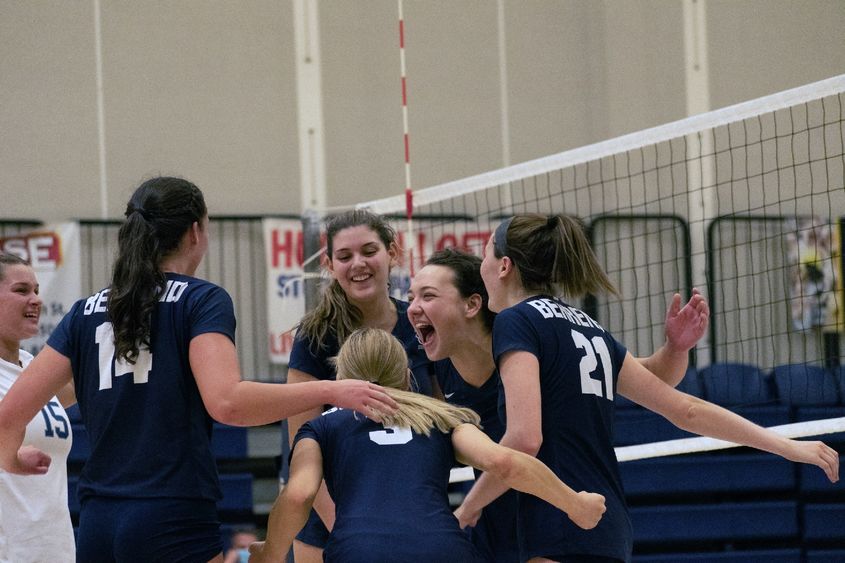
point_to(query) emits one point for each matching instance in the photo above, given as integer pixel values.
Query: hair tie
(132, 209)
(500, 237)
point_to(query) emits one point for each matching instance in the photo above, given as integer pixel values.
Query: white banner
(285, 290)
(284, 254)
(54, 253)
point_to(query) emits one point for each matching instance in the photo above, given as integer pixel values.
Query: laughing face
(361, 263)
(438, 312)
(20, 305)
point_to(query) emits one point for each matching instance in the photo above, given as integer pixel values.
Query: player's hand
(256, 552)
(816, 453)
(31, 461)
(367, 398)
(466, 517)
(685, 326)
(589, 510)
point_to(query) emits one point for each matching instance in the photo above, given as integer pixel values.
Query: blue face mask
(243, 555)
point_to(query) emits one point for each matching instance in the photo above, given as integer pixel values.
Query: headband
(500, 237)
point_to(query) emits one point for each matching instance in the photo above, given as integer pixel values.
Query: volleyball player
(35, 521)
(449, 312)
(390, 479)
(153, 360)
(361, 249)
(560, 371)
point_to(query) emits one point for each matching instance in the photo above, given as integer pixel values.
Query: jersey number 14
(140, 370)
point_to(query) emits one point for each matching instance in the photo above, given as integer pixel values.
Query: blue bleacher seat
(800, 385)
(727, 522)
(746, 390)
(636, 425)
(825, 556)
(824, 522)
(812, 479)
(640, 426)
(729, 384)
(691, 384)
(755, 556)
(228, 442)
(707, 474)
(237, 493)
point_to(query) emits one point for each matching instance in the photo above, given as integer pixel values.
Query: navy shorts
(314, 532)
(155, 529)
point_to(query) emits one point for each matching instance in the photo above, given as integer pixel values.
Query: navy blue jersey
(313, 358)
(495, 533)
(389, 486)
(150, 432)
(483, 400)
(579, 367)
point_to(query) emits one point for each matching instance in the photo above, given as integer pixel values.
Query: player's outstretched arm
(231, 400)
(527, 474)
(706, 419)
(292, 506)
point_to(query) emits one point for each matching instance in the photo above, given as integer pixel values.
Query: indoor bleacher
(737, 505)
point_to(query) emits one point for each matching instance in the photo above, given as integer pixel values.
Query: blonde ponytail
(372, 354)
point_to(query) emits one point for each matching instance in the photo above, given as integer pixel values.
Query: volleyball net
(746, 203)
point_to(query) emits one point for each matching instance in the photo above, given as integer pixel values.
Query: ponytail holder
(132, 209)
(500, 237)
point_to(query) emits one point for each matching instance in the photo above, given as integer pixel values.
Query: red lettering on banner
(447, 241)
(474, 241)
(282, 243)
(42, 250)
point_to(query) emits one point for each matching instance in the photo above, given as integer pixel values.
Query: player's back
(390, 491)
(149, 430)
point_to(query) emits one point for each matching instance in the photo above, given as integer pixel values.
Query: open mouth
(361, 277)
(425, 332)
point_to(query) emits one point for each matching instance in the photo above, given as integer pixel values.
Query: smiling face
(20, 305)
(438, 312)
(490, 267)
(361, 263)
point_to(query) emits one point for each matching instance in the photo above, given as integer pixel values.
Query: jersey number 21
(589, 363)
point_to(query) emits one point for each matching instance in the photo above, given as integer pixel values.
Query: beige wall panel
(204, 90)
(759, 47)
(643, 47)
(453, 95)
(48, 125)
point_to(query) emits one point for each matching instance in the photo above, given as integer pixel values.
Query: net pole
(409, 194)
(700, 155)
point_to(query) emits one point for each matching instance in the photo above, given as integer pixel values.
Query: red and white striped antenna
(409, 194)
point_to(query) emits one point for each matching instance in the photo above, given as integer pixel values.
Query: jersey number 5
(140, 370)
(589, 363)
